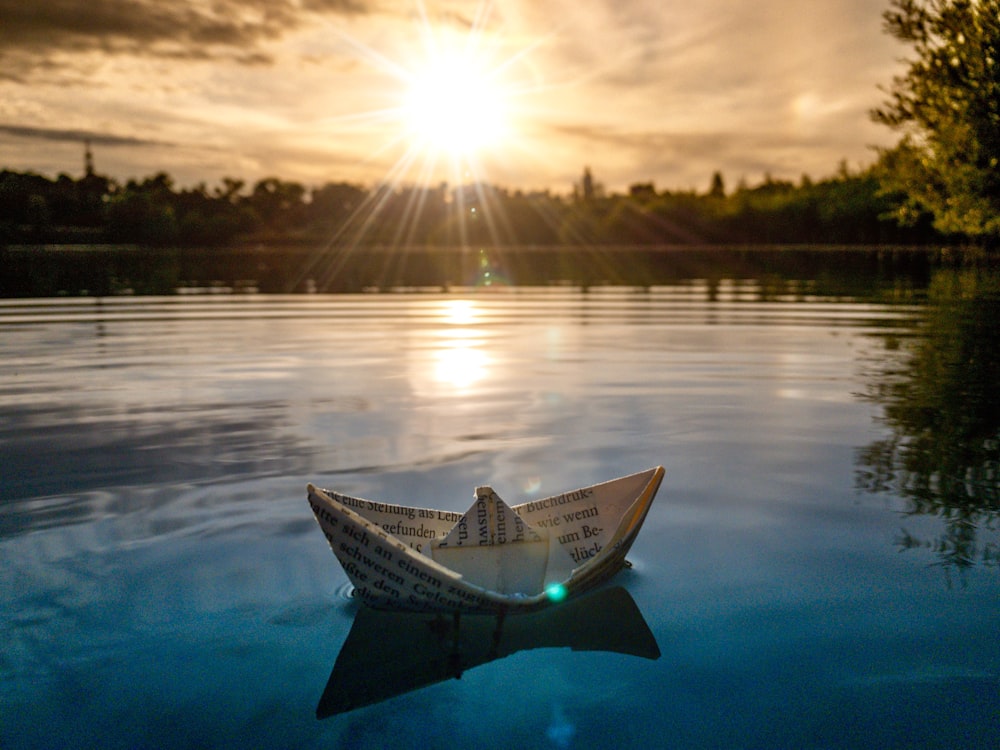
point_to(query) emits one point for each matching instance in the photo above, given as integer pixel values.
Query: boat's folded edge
(611, 558)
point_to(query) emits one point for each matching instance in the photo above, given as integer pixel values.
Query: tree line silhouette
(847, 208)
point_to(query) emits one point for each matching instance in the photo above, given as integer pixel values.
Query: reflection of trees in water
(940, 398)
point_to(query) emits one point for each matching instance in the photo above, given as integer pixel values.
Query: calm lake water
(819, 570)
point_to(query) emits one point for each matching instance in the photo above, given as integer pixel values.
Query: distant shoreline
(48, 270)
(309, 246)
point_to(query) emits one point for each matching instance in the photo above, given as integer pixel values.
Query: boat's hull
(392, 571)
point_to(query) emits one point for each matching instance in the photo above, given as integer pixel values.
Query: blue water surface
(165, 585)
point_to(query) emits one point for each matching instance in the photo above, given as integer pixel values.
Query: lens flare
(556, 592)
(456, 101)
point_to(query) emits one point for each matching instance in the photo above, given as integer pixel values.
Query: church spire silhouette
(88, 160)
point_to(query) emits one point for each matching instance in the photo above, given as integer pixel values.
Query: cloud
(77, 136)
(687, 158)
(176, 29)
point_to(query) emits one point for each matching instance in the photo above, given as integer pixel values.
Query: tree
(277, 203)
(230, 189)
(718, 187)
(947, 108)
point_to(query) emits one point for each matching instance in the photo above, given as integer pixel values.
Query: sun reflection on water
(460, 363)
(457, 359)
(459, 311)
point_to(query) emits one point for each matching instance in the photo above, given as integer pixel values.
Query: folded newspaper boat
(494, 558)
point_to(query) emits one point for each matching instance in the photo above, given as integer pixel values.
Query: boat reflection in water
(390, 653)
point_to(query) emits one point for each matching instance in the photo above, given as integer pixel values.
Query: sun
(460, 90)
(455, 107)
(455, 101)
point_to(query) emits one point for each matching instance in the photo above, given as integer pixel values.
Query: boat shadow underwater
(389, 653)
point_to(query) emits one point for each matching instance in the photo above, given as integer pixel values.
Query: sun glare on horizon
(454, 102)
(455, 107)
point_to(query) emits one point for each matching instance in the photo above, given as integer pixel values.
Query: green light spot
(556, 592)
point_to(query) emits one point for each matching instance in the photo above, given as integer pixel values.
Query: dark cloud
(231, 29)
(78, 136)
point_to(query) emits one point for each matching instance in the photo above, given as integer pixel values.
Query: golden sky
(520, 93)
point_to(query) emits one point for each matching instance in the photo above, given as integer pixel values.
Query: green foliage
(277, 204)
(144, 212)
(947, 108)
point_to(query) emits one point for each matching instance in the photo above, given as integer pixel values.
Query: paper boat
(492, 559)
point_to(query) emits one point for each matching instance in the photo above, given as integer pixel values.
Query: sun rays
(456, 98)
(452, 100)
